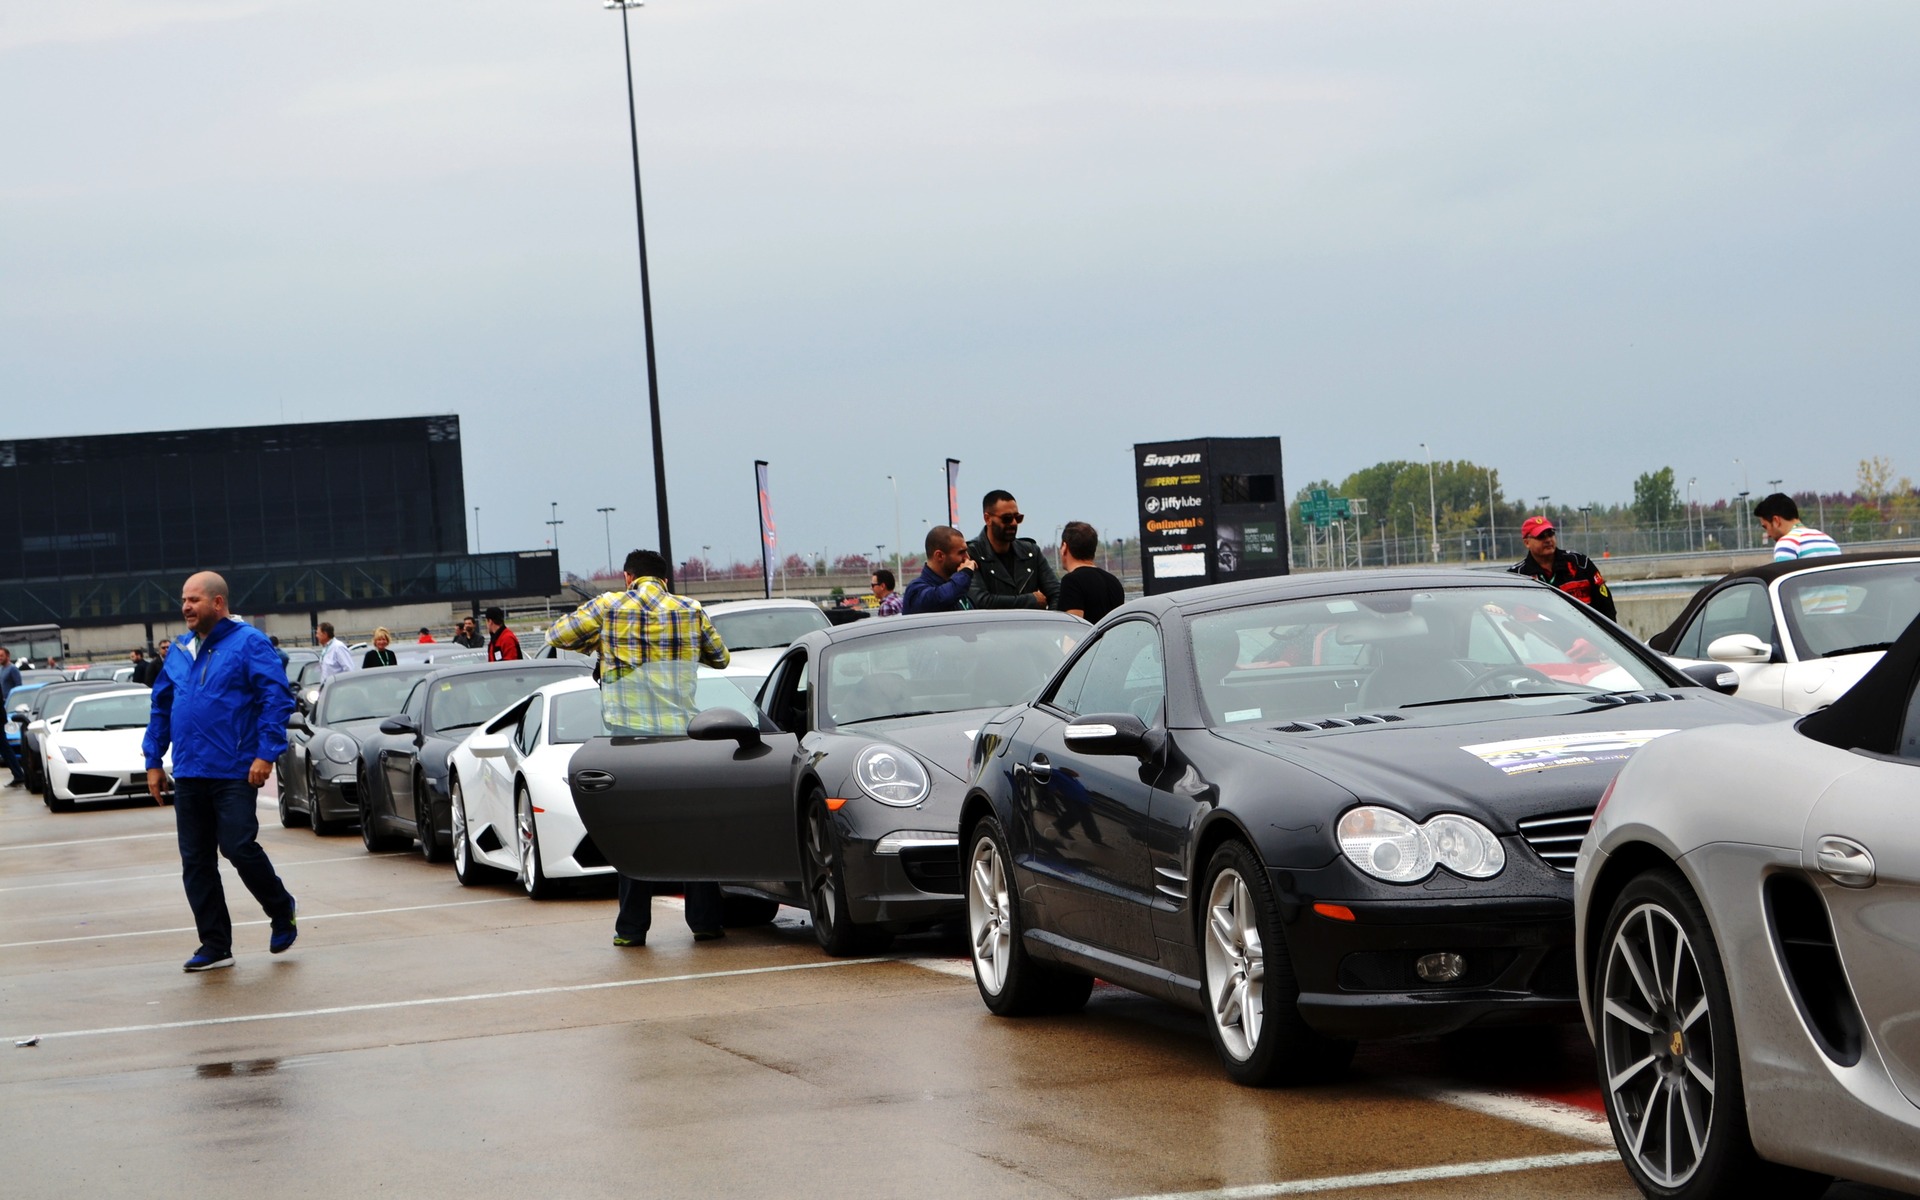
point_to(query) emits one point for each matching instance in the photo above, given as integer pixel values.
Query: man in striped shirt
(651, 644)
(1779, 519)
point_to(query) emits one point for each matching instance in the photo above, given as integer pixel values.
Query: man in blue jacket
(221, 700)
(945, 580)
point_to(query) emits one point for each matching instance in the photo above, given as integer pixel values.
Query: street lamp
(609, 524)
(554, 523)
(1586, 510)
(646, 294)
(1690, 484)
(706, 560)
(1433, 510)
(476, 529)
(897, 547)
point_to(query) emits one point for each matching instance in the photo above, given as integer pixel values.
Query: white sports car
(93, 749)
(1798, 633)
(1747, 916)
(513, 813)
(758, 632)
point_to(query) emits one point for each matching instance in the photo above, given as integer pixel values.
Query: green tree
(1655, 498)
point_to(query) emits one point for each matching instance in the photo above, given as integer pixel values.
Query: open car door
(717, 805)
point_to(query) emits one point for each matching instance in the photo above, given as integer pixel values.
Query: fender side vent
(1810, 960)
(488, 840)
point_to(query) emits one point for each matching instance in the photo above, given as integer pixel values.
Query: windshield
(58, 703)
(364, 695)
(766, 628)
(92, 713)
(466, 700)
(1387, 650)
(576, 715)
(946, 669)
(1850, 609)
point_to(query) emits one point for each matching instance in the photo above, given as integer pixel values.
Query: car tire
(37, 778)
(429, 837)
(470, 871)
(370, 835)
(289, 819)
(741, 912)
(826, 887)
(322, 826)
(1658, 981)
(56, 803)
(1252, 997)
(1012, 982)
(526, 840)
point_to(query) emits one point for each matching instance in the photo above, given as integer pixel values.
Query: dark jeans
(636, 908)
(215, 817)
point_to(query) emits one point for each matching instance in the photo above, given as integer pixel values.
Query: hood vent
(1618, 698)
(1338, 723)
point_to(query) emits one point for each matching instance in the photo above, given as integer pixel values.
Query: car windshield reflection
(915, 672)
(1403, 649)
(1850, 610)
(361, 697)
(576, 715)
(89, 714)
(767, 628)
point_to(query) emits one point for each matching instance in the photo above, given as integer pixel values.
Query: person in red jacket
(502, 646)
(1567, 570)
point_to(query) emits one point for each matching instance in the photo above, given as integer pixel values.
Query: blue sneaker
(206, 960)
(283, 935)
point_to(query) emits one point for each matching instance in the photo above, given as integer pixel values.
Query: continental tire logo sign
(1170, 460)
(1182, 524)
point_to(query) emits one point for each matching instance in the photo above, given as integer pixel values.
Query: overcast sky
(1574, 242)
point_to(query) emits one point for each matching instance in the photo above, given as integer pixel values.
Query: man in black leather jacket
(1009, 571)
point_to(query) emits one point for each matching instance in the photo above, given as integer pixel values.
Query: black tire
(370, 835)
(37, 774)
(321, 825)
(289, 819)
(526, 841)
(1011, 982)
(429, 837)
(55, 803)
(825, 883)
(1658, 910)
(740, 912)
(1253, 1009)
(470, 871)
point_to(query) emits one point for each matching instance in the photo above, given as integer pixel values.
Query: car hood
(944, 740)
(1502, 761)
(106, 745)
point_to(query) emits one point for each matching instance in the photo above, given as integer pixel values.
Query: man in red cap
(1572, 573)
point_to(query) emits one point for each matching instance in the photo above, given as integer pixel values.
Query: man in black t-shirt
(1085, 590)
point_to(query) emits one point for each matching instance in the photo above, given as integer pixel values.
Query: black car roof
(1318, 583)
(837, 634)
(557, 665)
(1868, 715)
(1766, 573)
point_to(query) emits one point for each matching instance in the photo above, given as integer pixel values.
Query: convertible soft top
(1766, 573)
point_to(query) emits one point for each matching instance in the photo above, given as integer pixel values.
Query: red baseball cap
(1535, 526)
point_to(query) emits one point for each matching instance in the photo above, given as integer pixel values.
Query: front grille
(1557, 839)
(91, 785)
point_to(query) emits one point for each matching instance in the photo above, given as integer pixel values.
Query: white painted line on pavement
(959, 968)
(305, 862)
(305, 918)
(124, 837)
(1548, 1115)
(426, 1001)
(1336, 1183)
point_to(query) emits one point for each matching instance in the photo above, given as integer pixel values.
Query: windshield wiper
(1867, 648)
(1499, 696)
(924, 712)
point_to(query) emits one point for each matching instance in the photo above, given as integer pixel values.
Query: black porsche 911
(1316, 808)
(319, 771)
(843, 797)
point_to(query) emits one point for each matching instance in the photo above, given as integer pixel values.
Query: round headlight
(1465, 846)
(1385, 844)
(891, 776)
(340, 748)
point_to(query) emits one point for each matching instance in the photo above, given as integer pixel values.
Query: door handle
(1039, 770)
(1844, 861)
(592, 781)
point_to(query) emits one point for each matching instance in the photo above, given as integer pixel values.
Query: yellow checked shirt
(650, 643)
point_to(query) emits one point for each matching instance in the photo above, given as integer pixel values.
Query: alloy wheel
(462, 852)
(1236, 964)
(529, 839)
(987, 915)
(1656, 1045)
(822, 858)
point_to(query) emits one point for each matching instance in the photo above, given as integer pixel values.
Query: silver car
(1747, 913)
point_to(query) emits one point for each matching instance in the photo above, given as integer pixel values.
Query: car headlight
(340, 748)
(1389, 846)
(891, 776)
(72, 755)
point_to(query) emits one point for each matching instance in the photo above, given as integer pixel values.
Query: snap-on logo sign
(1169, 460)
(1156, 504)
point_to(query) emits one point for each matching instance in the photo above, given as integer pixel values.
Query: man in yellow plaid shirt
(651, 644)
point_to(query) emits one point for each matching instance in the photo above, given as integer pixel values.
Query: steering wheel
(1514, 675)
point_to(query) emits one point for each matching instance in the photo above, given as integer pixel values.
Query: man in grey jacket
(1009, 571)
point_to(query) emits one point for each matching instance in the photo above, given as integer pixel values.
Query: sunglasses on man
(1013, 518)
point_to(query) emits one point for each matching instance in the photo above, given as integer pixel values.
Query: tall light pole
(1433, 509)
(1746, 489)
(898, 549)
(554, 523)
(609, 524)
(476, 529)
(1690, 484)
(646, 295)
(1493, 541)
(1586, 510)
(706, 561)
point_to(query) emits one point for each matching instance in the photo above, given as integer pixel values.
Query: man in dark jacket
(946, 580)
(221, 701)
(1010, 571)
(1572, 573)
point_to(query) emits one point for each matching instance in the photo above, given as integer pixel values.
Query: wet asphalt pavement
(427, 1039)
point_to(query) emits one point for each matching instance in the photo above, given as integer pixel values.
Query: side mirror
(397, 725)
(18, 718)
(723, 724)
(487, 745)
(1739, 648)
(1708, 675)
(298, 720)
(1110, 733)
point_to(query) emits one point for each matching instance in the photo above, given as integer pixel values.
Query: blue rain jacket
(220, 707)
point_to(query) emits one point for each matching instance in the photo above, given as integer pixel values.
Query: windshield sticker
(1567, 750)
(1243, 714)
